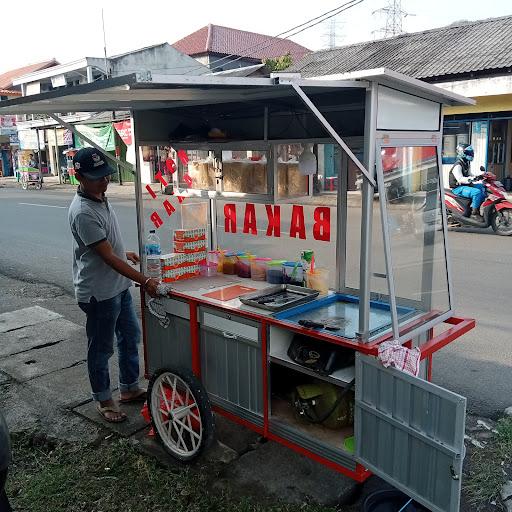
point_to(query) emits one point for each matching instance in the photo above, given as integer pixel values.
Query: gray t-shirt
(91, 222)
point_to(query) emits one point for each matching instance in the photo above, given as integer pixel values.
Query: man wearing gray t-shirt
(102, 278)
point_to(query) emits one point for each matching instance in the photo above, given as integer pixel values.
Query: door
(410, 433)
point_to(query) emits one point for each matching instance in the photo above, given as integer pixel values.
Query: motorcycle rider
(462, 180)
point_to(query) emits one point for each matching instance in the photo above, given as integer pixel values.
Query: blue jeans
(115, 316)
(476, 193)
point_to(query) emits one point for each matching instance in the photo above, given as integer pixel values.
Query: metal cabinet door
(410, 432)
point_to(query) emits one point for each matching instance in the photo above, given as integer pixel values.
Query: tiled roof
(7, 78)
(230, 41)
(456, 49)
(9, 92)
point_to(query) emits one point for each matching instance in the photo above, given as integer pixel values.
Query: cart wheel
(180, 412)
(24, 185)
(39, 186)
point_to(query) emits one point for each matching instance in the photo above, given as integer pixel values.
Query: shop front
(488, 127)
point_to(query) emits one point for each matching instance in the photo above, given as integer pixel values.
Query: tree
(279, 63)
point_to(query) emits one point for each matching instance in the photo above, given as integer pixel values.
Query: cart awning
(146, 92)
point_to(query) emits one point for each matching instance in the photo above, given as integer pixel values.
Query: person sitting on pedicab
(463, 180)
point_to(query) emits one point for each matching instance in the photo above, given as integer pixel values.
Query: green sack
(323, 403)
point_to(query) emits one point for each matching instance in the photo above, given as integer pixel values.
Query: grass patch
(488, 468)
(111, 476)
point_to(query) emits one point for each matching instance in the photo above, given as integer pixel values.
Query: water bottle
(153, 251)
(152, 246)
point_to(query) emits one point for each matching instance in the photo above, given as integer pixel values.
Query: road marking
(45, 205)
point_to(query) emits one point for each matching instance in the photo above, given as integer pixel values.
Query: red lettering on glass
(171, 166)
(182, 155)
(156, 220)
(297, 227)
(322, 224)
(169, 208)
(151, 192)
(274, 220)
(250, 220)
(230, 218)
(161, 179)
(187, 179)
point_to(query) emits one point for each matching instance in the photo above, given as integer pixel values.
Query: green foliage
(279, 63)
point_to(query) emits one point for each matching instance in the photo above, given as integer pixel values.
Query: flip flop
(139, 397)
(104, 410)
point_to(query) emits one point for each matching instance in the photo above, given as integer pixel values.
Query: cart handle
(460, 327)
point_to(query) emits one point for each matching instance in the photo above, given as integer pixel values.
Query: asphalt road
(35, 244)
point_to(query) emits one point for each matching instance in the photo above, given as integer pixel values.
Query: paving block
(41, 361)
(26, 316)
(238, 438)
(133, 424)
(50, 333)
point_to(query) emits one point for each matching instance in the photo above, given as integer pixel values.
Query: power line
(262, 46)
(394, 16)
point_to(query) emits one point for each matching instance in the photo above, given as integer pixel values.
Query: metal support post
(56, 153)
(367, 189)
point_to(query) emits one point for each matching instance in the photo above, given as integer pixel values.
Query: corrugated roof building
(471, 58)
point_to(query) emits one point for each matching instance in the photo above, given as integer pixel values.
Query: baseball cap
(91, 164)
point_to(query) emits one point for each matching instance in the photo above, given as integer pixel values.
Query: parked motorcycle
(496, 210)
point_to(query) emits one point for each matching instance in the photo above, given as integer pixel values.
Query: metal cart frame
(398, 418)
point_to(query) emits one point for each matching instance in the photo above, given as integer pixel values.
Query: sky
(34, 31)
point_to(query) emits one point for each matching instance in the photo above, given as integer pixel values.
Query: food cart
(247, 162)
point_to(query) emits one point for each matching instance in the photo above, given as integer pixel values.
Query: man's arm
(461, 179)
(104, 250)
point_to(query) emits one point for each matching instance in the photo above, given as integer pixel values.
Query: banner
(28, 139)
(124, 129)
(102, 135)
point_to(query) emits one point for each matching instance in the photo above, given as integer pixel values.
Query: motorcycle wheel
(501, 222)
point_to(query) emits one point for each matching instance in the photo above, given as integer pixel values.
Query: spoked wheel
(502, 222)
(181, 413)
(24, 185)
(39, 186)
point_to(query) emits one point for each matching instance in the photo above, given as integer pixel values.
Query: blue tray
(343, 310)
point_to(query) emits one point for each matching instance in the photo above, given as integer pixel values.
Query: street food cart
(345, 169)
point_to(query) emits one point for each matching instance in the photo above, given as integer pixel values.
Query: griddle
(280, 297)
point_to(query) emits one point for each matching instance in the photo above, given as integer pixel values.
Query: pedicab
(303, 312)
(31, 177)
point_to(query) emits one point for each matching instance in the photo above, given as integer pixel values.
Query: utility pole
(394, 16)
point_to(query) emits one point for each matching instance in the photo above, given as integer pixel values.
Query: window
(245, 172)
(454, 133)
(290, 182)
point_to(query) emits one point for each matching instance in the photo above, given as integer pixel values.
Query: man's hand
(151, 287)
(133, 257)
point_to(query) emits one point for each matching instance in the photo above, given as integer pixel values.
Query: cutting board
(229, 293)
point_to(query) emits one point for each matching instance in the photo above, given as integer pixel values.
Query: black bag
(319, 356)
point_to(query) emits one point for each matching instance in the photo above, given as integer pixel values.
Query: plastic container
(390, 500)
(259, 268)
(229, 263)
(293, 273)
(318, 280)
(243, 266)
(153, 266)
(152, 246)
(275, 271)
(208, 269)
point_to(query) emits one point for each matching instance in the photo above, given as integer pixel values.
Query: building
(109, 130)
(224, 48)
(470, 58)
(9, 142)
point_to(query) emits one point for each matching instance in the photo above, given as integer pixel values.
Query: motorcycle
(496, 210)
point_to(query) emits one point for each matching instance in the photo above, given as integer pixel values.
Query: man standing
(462, 179)
(102, 279)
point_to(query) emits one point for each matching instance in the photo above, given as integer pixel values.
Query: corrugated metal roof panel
(455, 49)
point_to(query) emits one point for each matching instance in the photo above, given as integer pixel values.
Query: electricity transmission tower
(394, 16)
(332, 36)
